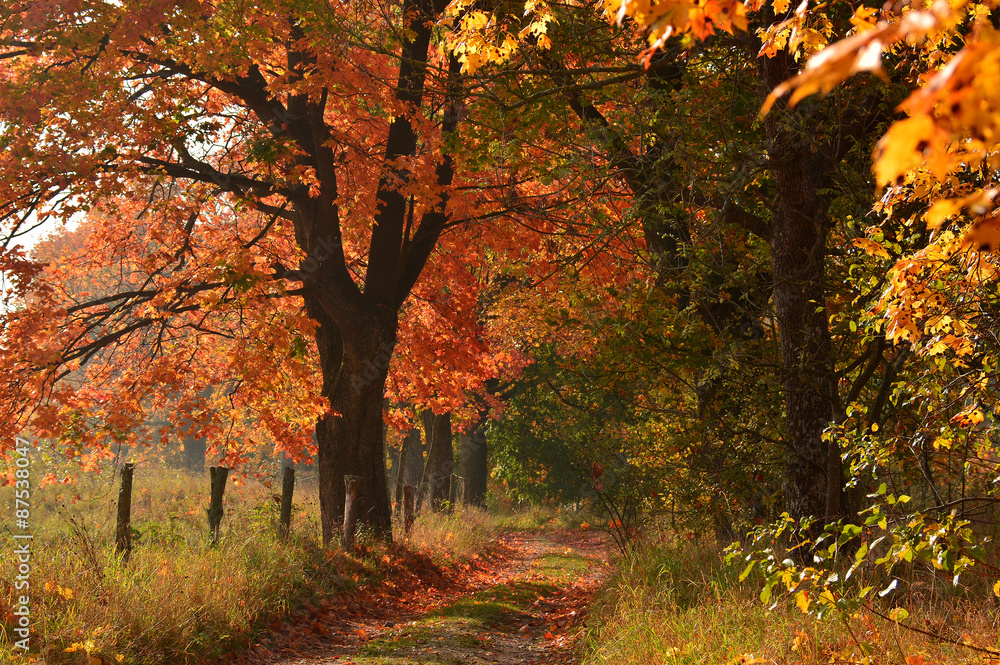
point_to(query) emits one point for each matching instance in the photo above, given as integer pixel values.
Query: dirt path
(522, 602)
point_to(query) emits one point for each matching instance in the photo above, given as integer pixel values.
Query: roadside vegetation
(675, 601)
(179, 599)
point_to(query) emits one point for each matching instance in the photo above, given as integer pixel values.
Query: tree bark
(407, 510)
(194, 454)
(440, 460)
(218, 475)
(350, 441)
(409, 464)
(123, 528)
(455, 488)
(358, 322)
(798, 255)
(287, 490)
(474, 464)
(350, 510)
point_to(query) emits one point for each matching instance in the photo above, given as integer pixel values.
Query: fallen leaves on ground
(411, 587)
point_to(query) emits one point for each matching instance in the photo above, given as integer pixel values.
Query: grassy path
(522, 602)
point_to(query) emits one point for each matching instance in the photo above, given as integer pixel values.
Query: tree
(804, 151)
(781, 181)
(278, 111)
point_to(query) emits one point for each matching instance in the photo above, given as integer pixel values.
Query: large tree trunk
(358, 320)
(415, 461)
(350, 440)
(798, 255)
(440, 459)
(474, 464)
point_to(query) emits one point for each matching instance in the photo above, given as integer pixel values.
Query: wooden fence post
(123, 529)
(287, 489)
(350, 509)
(218, 474)
(407, 510)
(453, 487)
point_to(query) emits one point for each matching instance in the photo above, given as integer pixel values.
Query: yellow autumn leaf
(984, 235)
(906, 146)
(475, 21)
(864, 18)
(871, 247)
(898, 614)
(858, 53)
(812, 40)
(942, 210)
(937, 348)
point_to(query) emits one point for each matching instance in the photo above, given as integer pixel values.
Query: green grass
(441, 634)
(516, 593)
(562, 567)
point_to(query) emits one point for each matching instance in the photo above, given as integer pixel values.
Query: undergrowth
(673, 602)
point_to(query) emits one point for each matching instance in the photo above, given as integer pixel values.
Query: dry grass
(535, 517)
(458, 535)
(178, 599)
(676, 604)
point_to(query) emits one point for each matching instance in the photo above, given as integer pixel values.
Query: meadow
(180, 599)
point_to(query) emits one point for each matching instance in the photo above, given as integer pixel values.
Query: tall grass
(672, 602)
(179, 599)
(460, 534)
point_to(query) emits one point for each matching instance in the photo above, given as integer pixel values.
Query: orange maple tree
(271, 175)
